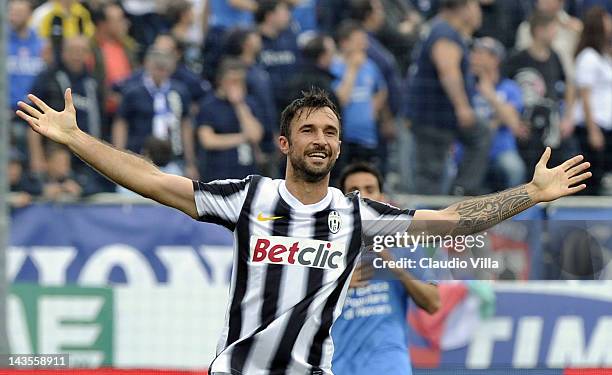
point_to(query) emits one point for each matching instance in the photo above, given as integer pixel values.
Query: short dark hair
(315, 98)
(264, 8)
(360, 167)
(234, 40)
(158, 150)
(346, 29)
(314, 48)
(540, 19)
(175, 10)
(228, 64)
(453, 4)
(360, 10)
(98, 14)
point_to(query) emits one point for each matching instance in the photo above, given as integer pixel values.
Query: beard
(310, 173)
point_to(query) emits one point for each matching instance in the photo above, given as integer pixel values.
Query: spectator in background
(224, 15)
(317, 57)
(594, 80)
(371, 16)
(60, 182)
(146, 21)
(362, 93)
(228, 129)
(566, 37)
(304, 14)
(245, 45)
(22, 185)
(280, 52)
(401, 30)
(196, 86)
(541, 75)
(61, 19)
(114, 52)
(50, 86)
(159, 106)
(501, 19)
(499, 102)
(439, 103)
(24, 60)
(181, 19)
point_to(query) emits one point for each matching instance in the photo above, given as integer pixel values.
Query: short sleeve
(379, 218)
(514, 95)
(205, 115)
(127, 105)
(220, 202)
(586, 69)
(379, 79)
(186, 99)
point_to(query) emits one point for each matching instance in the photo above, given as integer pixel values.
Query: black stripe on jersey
(243, 236)
(280, 361)
(225, 188)
(327, 316)
(272, 287)
(386, 209)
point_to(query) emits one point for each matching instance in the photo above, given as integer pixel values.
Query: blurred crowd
(443, 96)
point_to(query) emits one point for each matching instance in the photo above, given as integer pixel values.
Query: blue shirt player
(370, 336)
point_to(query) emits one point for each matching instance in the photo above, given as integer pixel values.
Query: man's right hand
(356, 59)
(466, 117)
(57, 126)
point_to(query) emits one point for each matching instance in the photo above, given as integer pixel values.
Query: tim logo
(297, 251)
(334, 221)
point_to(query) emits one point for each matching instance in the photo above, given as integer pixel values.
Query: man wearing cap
(498, 102)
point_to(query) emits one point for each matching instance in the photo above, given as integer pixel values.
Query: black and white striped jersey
(291, 270)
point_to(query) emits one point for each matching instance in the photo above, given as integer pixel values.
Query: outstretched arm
(125, 169)
(477, 214)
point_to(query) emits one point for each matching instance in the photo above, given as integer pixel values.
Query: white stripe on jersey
(290, 273)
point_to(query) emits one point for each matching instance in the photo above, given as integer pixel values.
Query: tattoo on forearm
(478, 214)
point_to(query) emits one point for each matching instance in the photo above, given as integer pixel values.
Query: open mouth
(318, 155)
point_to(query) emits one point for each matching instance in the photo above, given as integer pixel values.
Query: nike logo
(261, 217)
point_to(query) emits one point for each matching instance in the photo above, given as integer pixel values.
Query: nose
(320, 138)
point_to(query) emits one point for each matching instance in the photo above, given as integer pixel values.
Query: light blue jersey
(370, 336)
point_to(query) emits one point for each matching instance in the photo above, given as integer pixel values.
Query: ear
(339, 149)
(283, 144)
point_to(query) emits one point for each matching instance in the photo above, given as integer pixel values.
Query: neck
(494, 74)
(456, 23)
(180, 30)
(22, 31)
(268, 30)
(306, 192)
(75, 69)
(103, 36)
(369, 26)
(248, 58)
(539, 50)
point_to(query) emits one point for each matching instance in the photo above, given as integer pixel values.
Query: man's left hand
(566, 179)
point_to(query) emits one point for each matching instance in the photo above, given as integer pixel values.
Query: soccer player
(370, 336)
(297, 239)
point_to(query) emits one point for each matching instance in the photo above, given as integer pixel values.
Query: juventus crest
(334, 221)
